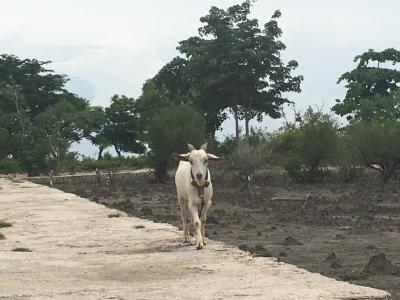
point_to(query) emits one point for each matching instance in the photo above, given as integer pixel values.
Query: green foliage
(122, 125)
(370, 88)
(110, 163)
(21, 249)
(4, 224)
(170, 129)
(257, 137)
(98, 137)
(70, 163)
(9, 166)
(232, 65)
(380, 107)
(305, 148)
(377, 145)
(4, 142)
(38, 117)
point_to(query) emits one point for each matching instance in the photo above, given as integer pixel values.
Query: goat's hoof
(199, 247)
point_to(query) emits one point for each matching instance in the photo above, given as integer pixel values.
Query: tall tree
(371, 86)
(122, 125)
(238, 65)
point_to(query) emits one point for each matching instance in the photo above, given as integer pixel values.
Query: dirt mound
(340, 237)
(249, 226)
(333, 260)
(380, 265)
(290, 241)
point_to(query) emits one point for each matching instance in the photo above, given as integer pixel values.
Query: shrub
(108, 162)
(247, 158)
(21, 249)
(70, 163)
(4, 224)
(304, 149)
(256, 137)
(10, 166)
(377, 144)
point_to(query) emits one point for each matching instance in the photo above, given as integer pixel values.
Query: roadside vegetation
(4, 224)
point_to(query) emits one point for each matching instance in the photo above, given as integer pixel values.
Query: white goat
(193, 186)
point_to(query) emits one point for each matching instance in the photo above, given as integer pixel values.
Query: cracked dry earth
(78, 251)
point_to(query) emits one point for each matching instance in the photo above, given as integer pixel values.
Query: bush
(377, 145)
(107, 163)
(248, 158)
(169, 130)
(70, 163)
(256, 137)
(10, 166)
(304, 149)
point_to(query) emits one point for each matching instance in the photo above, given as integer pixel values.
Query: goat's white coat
(188, 194)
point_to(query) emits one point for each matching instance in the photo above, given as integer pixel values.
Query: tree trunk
(237, 129)
(212, 145)
(101, 149)
(160, 172)
(247, 128)
(117, 150)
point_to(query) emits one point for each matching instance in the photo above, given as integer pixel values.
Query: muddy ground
(349, 231)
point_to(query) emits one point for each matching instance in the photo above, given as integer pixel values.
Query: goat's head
(198, 160)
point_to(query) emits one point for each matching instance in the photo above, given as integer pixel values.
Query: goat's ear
(213, 157)
(183, 157)
(191, 147)
(204, 147)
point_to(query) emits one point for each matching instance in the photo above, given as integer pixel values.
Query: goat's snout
(199, 176)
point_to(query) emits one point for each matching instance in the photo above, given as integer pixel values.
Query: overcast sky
(112, 47)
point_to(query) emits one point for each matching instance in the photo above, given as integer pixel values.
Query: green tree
(122, 125)
(371, 87)
(41, 118)
(98, 137)
(169, 130)
(236, 65)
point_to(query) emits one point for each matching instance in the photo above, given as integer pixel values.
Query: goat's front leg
(203, 219)
(197, 224)
(182, 204)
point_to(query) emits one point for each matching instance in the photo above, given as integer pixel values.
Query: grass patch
(2, 237)
(21, 249)
(140, 227)
(115, 215)
(4, 224)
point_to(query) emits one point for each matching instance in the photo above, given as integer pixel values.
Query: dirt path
(81, 250)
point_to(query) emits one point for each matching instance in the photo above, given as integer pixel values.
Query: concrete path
(80, 252)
